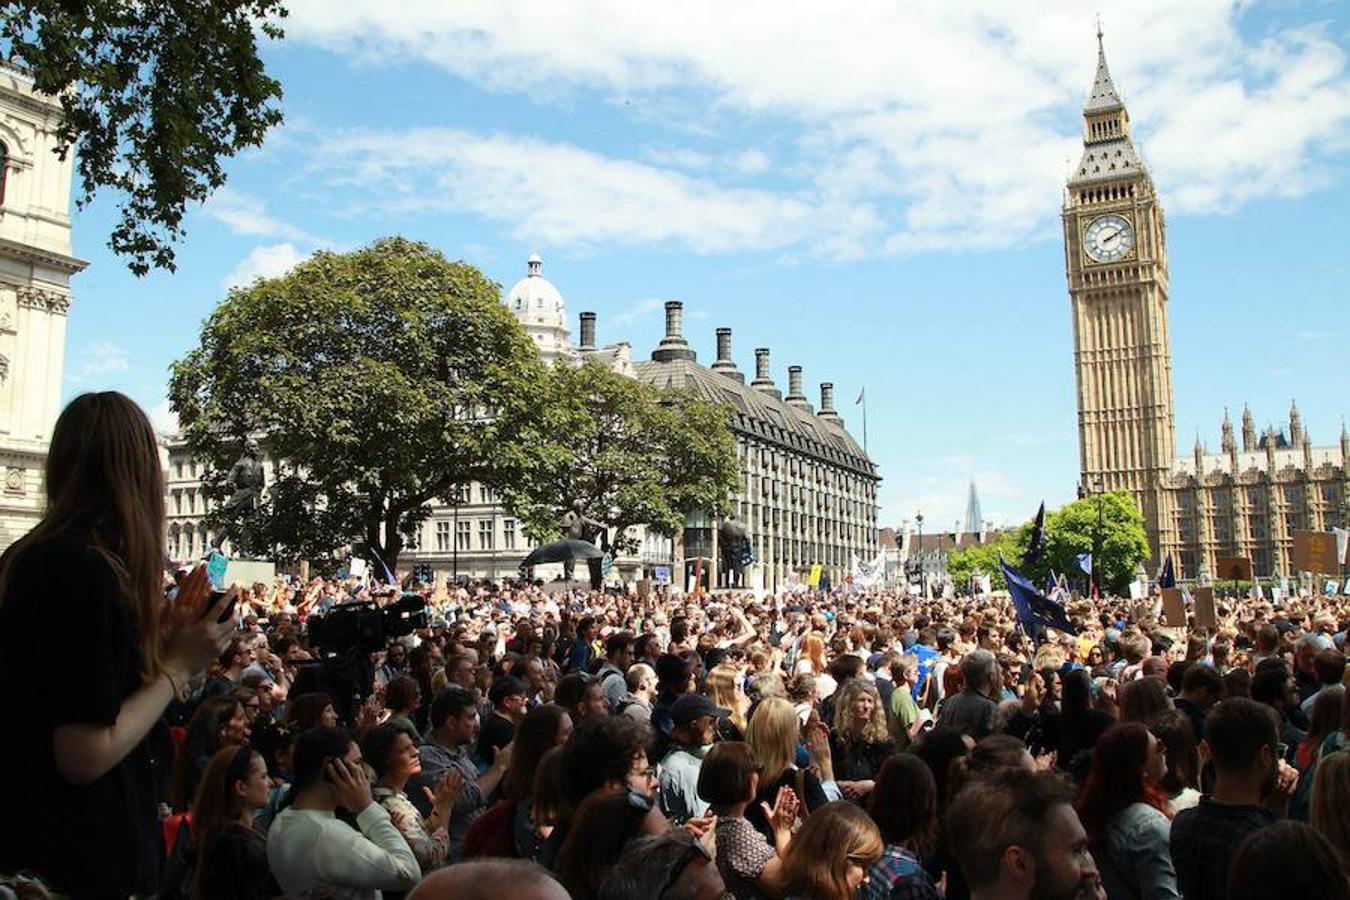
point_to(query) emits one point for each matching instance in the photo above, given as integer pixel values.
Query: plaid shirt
(1204, 840)
(898, 875)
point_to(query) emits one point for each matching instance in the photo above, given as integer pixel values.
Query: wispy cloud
(951, 135)
(247, 215)
(641, 310)
(98, 361)
(265, 261)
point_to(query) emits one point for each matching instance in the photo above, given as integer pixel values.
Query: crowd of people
(537, 742)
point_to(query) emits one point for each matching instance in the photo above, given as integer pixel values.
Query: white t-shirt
(310, 848)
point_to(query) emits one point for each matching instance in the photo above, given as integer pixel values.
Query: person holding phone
(75, 745)
(310, 849)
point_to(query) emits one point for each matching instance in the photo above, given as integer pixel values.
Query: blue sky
(874, 198)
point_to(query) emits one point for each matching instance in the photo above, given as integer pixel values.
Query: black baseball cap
(691, 706)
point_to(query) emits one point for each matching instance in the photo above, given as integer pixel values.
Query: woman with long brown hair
(230, 849)
(1124, 812)
(89, 580)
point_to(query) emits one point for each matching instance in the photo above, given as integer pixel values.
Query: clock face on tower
(1108, 238)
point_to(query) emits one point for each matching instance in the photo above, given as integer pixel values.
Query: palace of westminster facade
(1243, 501)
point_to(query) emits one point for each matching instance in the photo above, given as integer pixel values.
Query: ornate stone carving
(14, 480)
(4, 369)
(31, 297)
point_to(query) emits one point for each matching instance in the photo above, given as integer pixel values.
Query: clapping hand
(446, 793)
(783, 813)
(195, 636)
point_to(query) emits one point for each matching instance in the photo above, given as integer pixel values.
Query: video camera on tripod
(366, 627)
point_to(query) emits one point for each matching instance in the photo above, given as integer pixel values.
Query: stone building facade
(1236, 503)
(1248, 500)
(807, 491)
(35, 269)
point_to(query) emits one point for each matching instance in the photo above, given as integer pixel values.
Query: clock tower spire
(1116, 262)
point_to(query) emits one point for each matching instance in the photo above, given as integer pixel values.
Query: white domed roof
(535, 301)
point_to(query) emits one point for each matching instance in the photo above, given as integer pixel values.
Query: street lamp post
(1100, 489)
(923, 572)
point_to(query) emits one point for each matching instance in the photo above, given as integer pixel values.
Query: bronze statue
(732, 541)
(247, 480)
(577, 526)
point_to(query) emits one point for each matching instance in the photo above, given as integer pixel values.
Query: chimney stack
(827, 403)
(795, 397)
(763, 382)
(724, 363)
(587, 331)
(673, 346)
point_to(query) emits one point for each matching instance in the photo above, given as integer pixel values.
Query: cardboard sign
(814, 578)
(661, 574)
(1174, 610)
(1233, 568)
(1315, 551)
(1206, 616)
(644, 589)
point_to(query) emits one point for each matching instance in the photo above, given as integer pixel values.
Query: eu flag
(1167, 578)
(1037, 544)
(1033, 607)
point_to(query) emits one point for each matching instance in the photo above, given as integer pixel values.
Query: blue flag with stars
(1167, 578)
(1033, 607)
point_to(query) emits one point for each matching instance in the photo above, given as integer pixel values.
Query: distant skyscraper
(974, 521)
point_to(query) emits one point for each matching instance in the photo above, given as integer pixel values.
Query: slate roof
(762, 416)
(1107, 160)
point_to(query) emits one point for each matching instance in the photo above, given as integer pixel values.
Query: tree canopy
(155, 93)
(378, 380)
(1070, 531)
(633, 454)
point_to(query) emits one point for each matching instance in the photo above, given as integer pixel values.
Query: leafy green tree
(982, 559)
(154, 93)
(632, 455)
(379, 380)
(1072, 530)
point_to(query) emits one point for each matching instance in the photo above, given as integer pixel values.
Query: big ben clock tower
(1115, 256)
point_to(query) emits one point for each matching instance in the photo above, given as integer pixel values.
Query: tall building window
(485, 534)
(4, 170)
(442, 536)
(509, 534)
(463, 531)
(178, 468)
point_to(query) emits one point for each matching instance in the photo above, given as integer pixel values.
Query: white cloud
(247, 215)
(559, 194)
(163, 418)
(264, 261)
(956, 129)
(640, 310)
(98, 361)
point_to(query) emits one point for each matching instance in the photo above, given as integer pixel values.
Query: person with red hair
(1124, 812)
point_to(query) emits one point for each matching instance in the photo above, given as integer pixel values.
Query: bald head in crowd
(490, 879)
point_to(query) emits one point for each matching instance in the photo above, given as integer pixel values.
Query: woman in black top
(859, 744)
(91, 653)
(231, 851)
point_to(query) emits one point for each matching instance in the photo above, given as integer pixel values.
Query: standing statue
(577, 526)
(246, 479)
(732, 542)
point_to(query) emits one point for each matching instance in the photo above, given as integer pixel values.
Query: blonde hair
(1049, 656)
(105, 488)
(874, 731)
(1331, 785)
(722, 684)
(772, 734)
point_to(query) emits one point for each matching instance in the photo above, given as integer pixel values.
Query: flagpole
(864, 406)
